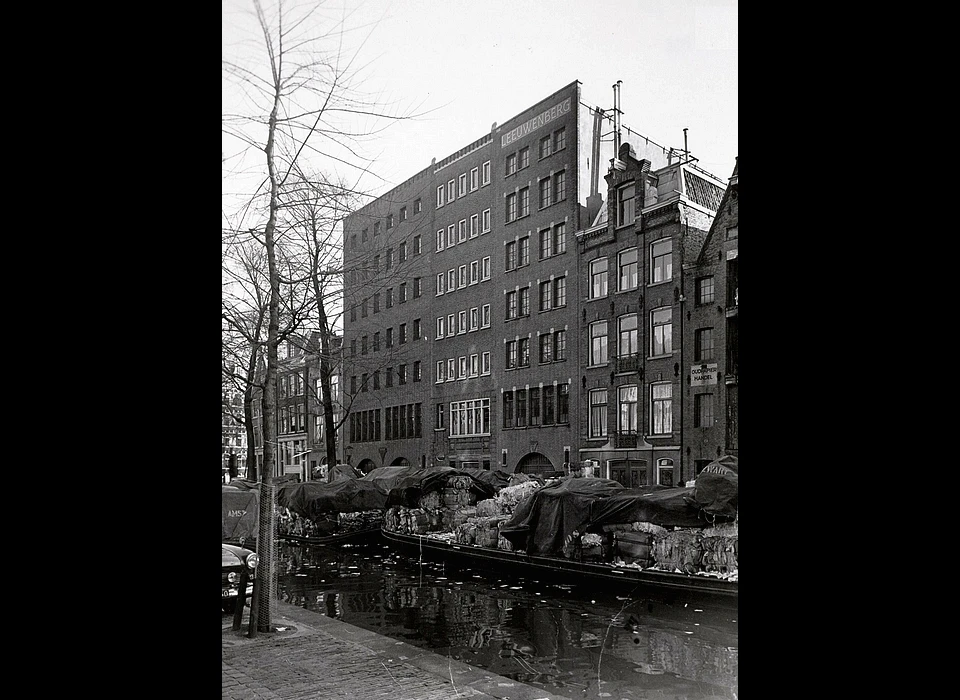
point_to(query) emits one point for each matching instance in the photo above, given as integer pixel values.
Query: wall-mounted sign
(558, 110)
(703, 375)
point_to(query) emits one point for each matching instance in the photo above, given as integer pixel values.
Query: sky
(465, 64)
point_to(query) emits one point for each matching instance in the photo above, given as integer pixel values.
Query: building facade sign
(531, 125)
(703, 375)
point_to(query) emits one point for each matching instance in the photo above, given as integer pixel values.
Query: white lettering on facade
(535, 123)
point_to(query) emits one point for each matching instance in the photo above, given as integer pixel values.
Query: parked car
(235, 560)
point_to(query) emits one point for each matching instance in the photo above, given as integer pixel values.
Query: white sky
(475, 62)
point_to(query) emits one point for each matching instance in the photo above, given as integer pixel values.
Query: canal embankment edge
(305, 647)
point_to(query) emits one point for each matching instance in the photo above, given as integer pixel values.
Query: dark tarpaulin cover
(239, 513)
(388, 477)
(497, 479)
(312, 498)
(661, 505)
(542, 522)
(411, 488)
(716, 489)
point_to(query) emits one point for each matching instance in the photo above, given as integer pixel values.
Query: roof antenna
(616, 119)
(686, 153)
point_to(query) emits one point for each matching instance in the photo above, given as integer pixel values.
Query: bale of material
(488, 507)
(678, 550)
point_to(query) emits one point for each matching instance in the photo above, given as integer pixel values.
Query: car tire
(229, 606)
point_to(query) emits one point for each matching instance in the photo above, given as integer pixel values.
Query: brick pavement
(312, 656)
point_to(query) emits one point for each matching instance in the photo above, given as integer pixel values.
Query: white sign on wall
(703, 375)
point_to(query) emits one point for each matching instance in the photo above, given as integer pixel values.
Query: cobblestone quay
(309, 655)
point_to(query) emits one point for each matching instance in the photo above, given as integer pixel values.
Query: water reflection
(566, 639)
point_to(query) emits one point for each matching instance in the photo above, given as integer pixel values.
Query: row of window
(372, 268)
(661, 410)
(455, 324)
(388, 338)
(401, 422)
(535, 406)
(290, 385)
(552, 189)
(417, 208)
(661, 266)
(479, 224)
(416, 291)
(553, 295)
(456, 278)
(553, 241)
(550, 144)
(292, 419)
(628, 343)
(401, 373)
(552, 347)
(463, 367)
(478, 177)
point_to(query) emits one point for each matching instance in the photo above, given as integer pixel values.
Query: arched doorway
(629, 472)
(366, 466)
(400, 462)
(535, 463)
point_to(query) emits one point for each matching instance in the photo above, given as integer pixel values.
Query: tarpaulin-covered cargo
(660, 505)
(313, 498)
(542, 523)
(388, 477)
(716, 489)
(239, 514)
(412, 487)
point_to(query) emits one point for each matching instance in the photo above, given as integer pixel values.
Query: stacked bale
(633, 542)
(678, 550)
(355, 522)
(721, 549)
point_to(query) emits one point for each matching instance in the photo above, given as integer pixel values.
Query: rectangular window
(441, 323)
(560, 186)
(462, 367)
(546, 243)
(534, 405)
(703, 349)
(403, 292)
(376, 341)
(559, 140)
(417, 206)
(627, 413)
(485, 316)
(523, 158)
(485, 221)
(523, 251)
(661, 260)
(703, 410)
(417, 248)
(559, 292)
(486, 173)
(485, 363)
(440, 284)
(598, 413)
(474, 318)
(510, 256)
(462, 231)
(363, 351)
(462, 276)
(390, 337)
(523, 352)
(440, 416)
(403, 251)
(510, 211)
(402, 374)
(417, 287)
(474, 225)
(546, 193)
(451, 369)
(462, 181)
(560, 345)
(403, 333)
(475, 365)
(474, 179)
(598, 343)
(416, 329)
(661, 409)
(524, 301)
(389, 221)
(627, 262)
(485, 268)
(363, 382)
(511, 164)
(440, 367)
(508, 409)
(363, 236)
(451, 324)
(548, 409)
(451, 280)
(560, 238)
(563, 403)
(389, 259)
(376, 379)
(510, 355)
(451, 235)
(439, 240)
(451, 190)
(625, 210)
(524, 202)
(475, 272)
(376, 302)
(511, 305)
(390, 297)
(628, 336)
(546, 348)
(376, 228)
(470, 417)
(546, 146)
(546, 294)
(705, 291)
(521, 397)
(439, 196)
(662, 332)
(462, 322)
(403, 213)
(598, 278)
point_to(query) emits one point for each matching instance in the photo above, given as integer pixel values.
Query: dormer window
(625, 206)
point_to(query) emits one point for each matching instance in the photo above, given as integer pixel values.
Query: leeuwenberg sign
(558, 110)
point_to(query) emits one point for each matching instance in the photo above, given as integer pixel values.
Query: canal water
(570, 640)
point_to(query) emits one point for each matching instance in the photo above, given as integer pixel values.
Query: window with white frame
(523, 205)
(511, 164)
(546, 192)
(475, 272)
(625, 198)
(462, 367)
(451, 280)
(598, 343)
(451, 190)
(451, 324)
(441, 327)
(559, 238)
(523, 158)
(627, 409)
(661, 260)
(598, 278)
(510, 256)
(485, 268)
(546, 243)
(661, 336)
(510, 354)
(703, 410)
(511, 305)
(439, 284)
(470, 417)
(475, 318)
(546, 146)
(451, 235)
(441, 364)
(486, 173)
(546, 295)
(523, 251)
(559, 139)
(485, 221)
(462, 231)
(439, 240)
(627, 263)
(474, 179)
(462, 322)
(524, 301)
(559, 292)
(510, 204)
(703, 347)
(439, 196)
(661, 408)
(463, 184)
(523, 352)
(485, 363)
(560, 345)
(474, 225)
(462, 276)
(628, 336)
(475, 365)
(452, 369)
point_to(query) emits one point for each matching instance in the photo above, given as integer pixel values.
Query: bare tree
(304, 101)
